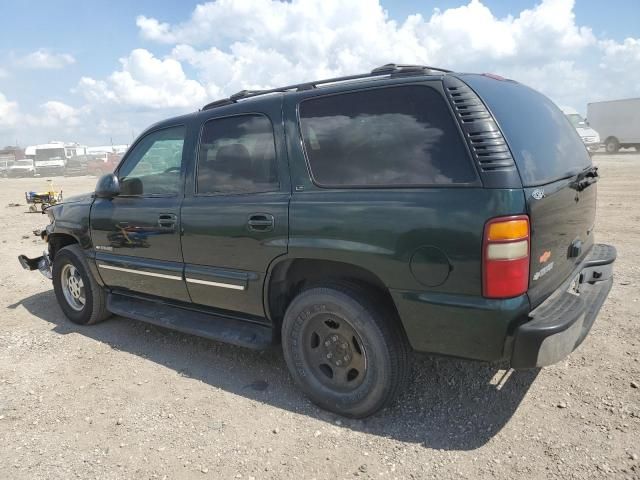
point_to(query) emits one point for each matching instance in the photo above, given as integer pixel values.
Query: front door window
(153, 167)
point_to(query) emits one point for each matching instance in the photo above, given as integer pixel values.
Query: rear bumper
(560, 324)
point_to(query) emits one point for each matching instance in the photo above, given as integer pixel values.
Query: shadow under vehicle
(450, 404)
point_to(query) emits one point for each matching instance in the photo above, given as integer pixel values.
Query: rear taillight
(505, 257)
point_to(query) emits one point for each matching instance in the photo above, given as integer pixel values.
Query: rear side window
(397, 136)
(545, 145)
(237, 155)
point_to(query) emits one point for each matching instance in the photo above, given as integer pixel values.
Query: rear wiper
(585, 178)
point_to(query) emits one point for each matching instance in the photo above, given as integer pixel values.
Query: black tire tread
(380, 311)
(99, 310)
(388, 323)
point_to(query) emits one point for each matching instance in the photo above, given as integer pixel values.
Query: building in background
(51, 158)
(8, 156)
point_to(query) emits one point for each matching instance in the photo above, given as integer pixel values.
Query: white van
(589, 136)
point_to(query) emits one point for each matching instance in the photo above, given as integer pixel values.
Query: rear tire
(612, 145)
(345, 349)
(80, 297)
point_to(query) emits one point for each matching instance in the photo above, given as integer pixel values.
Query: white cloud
(226, 46)
(145, 81)
(620, 64)
(49, 114)
(263, 43)
(44, 59)
(57, 113)
(9, 112)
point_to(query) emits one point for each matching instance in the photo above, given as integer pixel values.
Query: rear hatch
(557, 175)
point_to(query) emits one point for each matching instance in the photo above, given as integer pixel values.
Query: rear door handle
(167, 220)
(260, 222)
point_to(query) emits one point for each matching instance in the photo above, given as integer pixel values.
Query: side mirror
(108, 186)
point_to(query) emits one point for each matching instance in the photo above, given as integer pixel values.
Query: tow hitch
(42, 264)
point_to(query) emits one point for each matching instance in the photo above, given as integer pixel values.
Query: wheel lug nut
(338, 362)
(327, 343)
(334, 338)
(346, 359)
(329, 355)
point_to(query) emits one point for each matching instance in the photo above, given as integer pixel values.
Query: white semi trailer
(617, 122)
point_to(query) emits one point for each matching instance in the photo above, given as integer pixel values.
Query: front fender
(71, 218)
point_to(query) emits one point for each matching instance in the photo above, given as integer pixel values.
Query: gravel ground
(123, 399)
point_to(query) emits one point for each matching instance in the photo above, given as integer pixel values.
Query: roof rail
(395, 68)
(391, 69)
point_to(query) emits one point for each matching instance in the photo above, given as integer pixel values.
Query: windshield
(50, 154)
(576, 120)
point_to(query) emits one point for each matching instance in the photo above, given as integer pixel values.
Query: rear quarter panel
(382, 229)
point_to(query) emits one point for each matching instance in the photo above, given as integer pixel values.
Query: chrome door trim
(139, 272)
(216, 284)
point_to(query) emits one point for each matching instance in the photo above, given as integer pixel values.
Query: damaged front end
(42, 263)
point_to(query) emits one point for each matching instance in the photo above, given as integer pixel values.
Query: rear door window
(237, 155)
(396, 136)
(545, 145)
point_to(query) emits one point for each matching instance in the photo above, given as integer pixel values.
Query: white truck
(589, 136)
(51, 158)
(617, 121)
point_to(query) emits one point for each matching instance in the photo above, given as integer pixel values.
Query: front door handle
(167, 221)
(260, 222)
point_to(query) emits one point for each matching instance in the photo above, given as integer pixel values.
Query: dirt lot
(126, 400)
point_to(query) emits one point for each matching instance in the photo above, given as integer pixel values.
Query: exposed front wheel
(345, 350)
(82, 300)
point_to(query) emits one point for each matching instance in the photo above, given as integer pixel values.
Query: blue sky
(48, 48)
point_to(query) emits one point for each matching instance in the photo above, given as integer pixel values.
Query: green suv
(353, 220)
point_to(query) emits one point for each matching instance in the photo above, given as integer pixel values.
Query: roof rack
(391, 69)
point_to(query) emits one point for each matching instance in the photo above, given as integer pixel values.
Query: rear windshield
(545, 145)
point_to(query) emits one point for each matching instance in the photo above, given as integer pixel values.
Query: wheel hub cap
(337, 350)
(334, 353)
(72, 287)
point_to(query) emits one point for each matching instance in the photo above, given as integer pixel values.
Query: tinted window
(545, 145)
(153, 166)
(390, 136)
(237, 155)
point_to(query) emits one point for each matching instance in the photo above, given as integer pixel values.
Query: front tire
(80, 297)
(345, 350)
